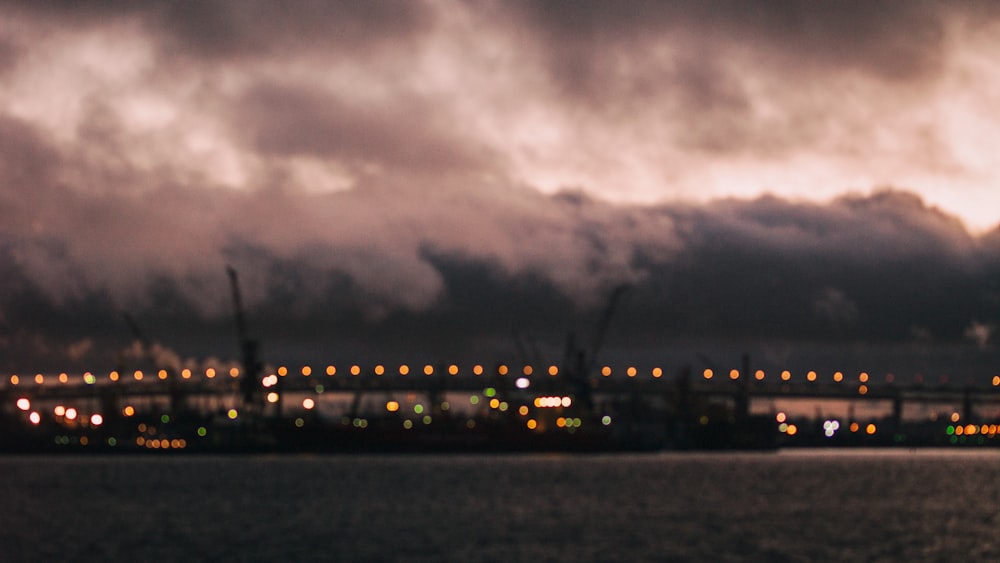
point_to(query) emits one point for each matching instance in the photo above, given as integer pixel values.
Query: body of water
(788, 506)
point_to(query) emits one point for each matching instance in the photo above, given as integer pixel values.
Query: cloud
(406, 173)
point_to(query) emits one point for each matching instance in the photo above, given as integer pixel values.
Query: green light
(320, 389)
(474, 399)
(427, 419)
(950, 430)
(953, 439)
(202, 431)
(165, 418)
(490, 392)
(418, 408)
(112, 442)
(89, 379)
(299, 423)
(606, 420)
(407, 424)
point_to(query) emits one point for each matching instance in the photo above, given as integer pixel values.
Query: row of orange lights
(451, 369)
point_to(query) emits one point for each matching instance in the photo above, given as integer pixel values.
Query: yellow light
(553, 370)
(137, 375)
(404, 369)
(811, 376)
(379, 369)
(984, 429)
(970, 429)
(63, 378)
(233, 372)
(561, 422)
(791, 430)
(862, 389)
(428, 369)
(14, 380)
(959, 430)
(734, 374)
(186, 373)
(477, 369)
(307, 371)
(355, 370)
(128, 411)
(532, 424)
(996, 380)
(606, 371)
(232, 414)
(838, 377)
(854, 427)
(59, 410)
(759, 375)
(330, 370)
(863, 377)
(631, 371)
(308, 403)
(452, 369)
(786, 375)
(870, 429)
(39, 379)
(523, 410)
(210, 373)
(272, 397)
(502, 369)
(282, 371)
(657, 372)
(162, 374)
(392, 406)
(527, 370)
(494, 403)
(707, 374)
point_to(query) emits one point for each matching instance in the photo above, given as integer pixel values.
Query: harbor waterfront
(802, 505)
(453, 408)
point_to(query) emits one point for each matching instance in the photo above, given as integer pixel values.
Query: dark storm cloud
(463, 268)
(218, 29)
(889, 40)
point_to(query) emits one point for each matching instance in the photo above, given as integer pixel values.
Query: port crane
(250, 381)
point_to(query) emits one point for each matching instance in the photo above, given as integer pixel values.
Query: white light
(523, 383)
(308, 403)
(566, 401)
(96, 419)
(272, 397)
(35, 418)
(23, 403)
(71, 414)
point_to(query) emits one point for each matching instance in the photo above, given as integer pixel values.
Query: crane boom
(248, 346)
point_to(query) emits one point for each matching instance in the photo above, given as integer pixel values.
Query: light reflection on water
(790, 506)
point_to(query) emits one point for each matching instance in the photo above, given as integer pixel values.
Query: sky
(816, 184)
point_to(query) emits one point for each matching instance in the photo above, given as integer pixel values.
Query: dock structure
(647, 407)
